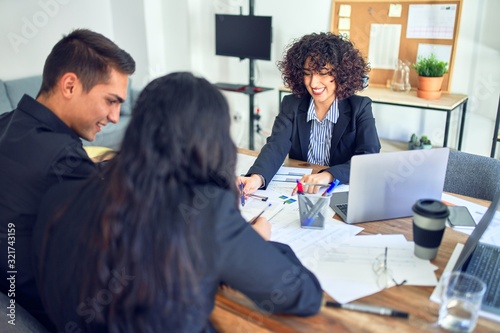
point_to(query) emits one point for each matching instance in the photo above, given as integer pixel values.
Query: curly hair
(349, 68)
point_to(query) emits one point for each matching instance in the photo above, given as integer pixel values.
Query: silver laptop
(386, 185)
(483, 260)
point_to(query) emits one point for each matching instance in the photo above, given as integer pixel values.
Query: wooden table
(235, 313)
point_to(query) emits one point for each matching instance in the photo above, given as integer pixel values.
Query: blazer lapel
(341, 125)
(304, 131)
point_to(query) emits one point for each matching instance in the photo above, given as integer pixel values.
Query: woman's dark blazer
(268, 273)
(353, 134)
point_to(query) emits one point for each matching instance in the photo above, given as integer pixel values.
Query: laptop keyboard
(485, 264)
(343, 208)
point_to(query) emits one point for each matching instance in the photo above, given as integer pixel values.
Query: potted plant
(430, 72)
(414, 142)
(426, 143)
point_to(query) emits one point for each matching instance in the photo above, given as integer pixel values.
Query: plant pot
(429, 94)
(429, 87)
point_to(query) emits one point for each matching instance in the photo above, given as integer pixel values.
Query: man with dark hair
(85, 80)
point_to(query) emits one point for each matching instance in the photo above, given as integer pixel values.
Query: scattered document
(431, 21)
(290, 175)
(346, 272)
(254, 205)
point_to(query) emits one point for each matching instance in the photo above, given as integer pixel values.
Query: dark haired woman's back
(130, 293)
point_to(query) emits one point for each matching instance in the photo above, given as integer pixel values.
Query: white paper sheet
(442, 52)
(345, 11)
(346, 272)
(431, 21)
(383, 50)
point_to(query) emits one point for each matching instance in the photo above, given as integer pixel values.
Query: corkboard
(365, 13)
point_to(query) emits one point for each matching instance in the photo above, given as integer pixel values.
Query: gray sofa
(111, 135)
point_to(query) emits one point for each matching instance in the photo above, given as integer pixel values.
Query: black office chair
(24, 323)
(496, 137)
(472, 175)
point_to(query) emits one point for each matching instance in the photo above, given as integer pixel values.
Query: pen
(300, 190)
(330, 189)
(252, 221)
(258, 197)
(370, 309)
(316, 184)
(242, 198)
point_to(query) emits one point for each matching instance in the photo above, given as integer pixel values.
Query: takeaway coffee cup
(429, 222)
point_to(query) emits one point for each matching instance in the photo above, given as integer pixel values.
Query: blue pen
(242, 198)
(330, 189)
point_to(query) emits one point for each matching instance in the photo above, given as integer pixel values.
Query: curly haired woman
(323, 121)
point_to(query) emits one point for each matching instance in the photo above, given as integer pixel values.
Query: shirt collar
(332, 115)
(35, 109)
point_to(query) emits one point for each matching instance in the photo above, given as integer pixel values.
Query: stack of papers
(341, 260)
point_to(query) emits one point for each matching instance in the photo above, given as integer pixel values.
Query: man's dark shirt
(37, 150)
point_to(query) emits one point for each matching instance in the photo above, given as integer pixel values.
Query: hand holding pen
(312, 183)
(253, 220)
(248, 185)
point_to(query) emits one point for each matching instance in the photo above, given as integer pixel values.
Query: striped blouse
(320, 139)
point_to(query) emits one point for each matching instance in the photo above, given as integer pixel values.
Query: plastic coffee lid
(431, 208)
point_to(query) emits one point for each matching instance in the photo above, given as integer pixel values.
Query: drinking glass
(461, 297)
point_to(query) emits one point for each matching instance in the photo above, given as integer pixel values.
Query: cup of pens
(313, 208)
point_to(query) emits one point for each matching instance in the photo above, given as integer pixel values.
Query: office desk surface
(235, 313)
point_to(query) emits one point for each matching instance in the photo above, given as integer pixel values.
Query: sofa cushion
(17, 88)
(111, 135)
(5, 105)
(126, 107)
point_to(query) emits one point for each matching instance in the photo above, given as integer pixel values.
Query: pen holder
(313, 210)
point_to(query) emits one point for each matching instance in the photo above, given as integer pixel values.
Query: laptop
(482, 260)
(386, 185)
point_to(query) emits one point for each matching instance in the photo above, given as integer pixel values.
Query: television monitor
(243, 36)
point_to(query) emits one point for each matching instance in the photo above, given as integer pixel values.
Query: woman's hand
(323, 178)
(263, 227)
(251, 183)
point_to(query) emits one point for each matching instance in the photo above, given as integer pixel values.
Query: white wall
(476, 70)
(30, 28)
(171, 35)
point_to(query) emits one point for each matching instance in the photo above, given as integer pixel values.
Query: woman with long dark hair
(144, 246)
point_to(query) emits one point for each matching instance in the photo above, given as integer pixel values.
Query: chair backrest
(24, 322)
(472, 175)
